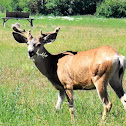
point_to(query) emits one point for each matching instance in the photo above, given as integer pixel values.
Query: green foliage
(36, 6)
(14, 5)
(112, 8)
(5, 5)
(56, 7)
(71, 7)
(23, 4)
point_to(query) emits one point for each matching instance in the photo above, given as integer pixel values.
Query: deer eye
(34, 45)
(39, 45)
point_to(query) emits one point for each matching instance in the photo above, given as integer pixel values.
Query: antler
(40, 33)
(55, 31)
(16, 27)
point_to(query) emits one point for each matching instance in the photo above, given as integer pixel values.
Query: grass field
(27, 98)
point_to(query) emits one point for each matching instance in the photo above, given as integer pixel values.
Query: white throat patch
(43, 54)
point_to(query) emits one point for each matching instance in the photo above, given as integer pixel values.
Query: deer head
(34, 44)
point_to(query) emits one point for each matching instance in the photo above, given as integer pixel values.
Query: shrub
(71, 7)
(111, 8)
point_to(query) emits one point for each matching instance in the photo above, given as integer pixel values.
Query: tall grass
(28, 98)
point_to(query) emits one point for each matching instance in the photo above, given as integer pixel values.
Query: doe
(68, 71)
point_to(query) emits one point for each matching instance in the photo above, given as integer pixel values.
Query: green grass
(28, 98)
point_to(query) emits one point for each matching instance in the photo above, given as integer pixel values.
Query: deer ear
(19, 38)
(50, 38)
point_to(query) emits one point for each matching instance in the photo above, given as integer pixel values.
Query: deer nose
(31, 53)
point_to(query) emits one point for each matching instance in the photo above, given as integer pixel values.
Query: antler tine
(40, 32)
(39, 36)
(29, 31)
(16, 27)
(18, 30)
(28, 34)
(57, 29)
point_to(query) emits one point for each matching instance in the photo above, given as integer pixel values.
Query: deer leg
(61, 97)
(105, 100)
(117, 87)
(101, 87)
(69, 94)
(123, 100)
(116, 83)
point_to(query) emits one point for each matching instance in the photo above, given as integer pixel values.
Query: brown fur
(88, 70)
(82, 69)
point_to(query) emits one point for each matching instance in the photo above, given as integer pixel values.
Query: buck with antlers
(69, 71)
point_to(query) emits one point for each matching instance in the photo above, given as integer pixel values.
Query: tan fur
(88, 70)
(80, 69)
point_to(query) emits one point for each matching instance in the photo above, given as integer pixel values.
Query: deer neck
(44, 62)
(43, 53)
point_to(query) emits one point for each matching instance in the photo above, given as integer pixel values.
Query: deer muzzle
(31, 53)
